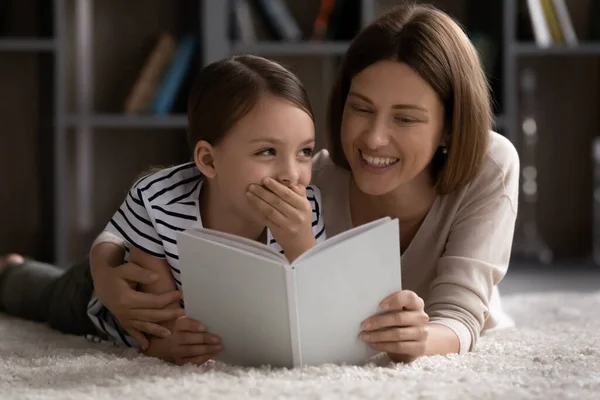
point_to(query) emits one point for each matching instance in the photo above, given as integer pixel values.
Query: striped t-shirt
(156, 208)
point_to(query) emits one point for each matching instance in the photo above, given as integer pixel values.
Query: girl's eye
(307, 152)
(266, 152)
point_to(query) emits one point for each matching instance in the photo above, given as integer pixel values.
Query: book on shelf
(279, 20)
(565, 23)
(551, 23)
(162, 76)
(145, 87)
(174, 76)
(269, 311)
(321, 22)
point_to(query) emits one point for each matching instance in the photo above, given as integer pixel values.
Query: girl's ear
(204, 159)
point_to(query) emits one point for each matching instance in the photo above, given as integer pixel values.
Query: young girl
(250, 125)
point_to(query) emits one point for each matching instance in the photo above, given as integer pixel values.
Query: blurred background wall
(93, 93)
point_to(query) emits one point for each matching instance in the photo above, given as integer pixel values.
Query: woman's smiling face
(392, 125)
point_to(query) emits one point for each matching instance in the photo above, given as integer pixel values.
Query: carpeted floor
(553, 354)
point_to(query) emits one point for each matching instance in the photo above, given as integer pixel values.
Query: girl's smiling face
(275, 139)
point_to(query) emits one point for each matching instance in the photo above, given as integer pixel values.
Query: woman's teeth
(378, 161)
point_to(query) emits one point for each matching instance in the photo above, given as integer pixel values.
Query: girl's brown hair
(435, 46)
(226, 90)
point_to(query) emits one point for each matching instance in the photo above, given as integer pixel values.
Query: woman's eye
(307, 152)
(362, 110)
(404, 120)
(266, 152)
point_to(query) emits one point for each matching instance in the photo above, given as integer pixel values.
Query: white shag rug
(554, 353)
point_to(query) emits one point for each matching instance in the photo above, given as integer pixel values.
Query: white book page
(238, 242)
(330, 242)
(239, 296)
(340, 287)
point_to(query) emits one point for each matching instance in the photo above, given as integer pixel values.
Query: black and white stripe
(155, 209)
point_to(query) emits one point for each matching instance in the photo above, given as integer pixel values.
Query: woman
(410, 137)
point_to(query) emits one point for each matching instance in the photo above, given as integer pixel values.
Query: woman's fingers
(134, 273)
(404, 299)
(395, 319)
(409, 348)
(140, 300)
(410, 333)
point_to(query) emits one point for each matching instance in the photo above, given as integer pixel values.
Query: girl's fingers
(154, 315)
(273, 199)
(287, 194)
(138, 337)
(192, 338)
(269, 213)
(195, 360)
(185, 324)
(149, 328)
(196, 350)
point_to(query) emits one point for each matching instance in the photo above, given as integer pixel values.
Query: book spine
(281, 19)
(541, 31)
(292, 298)
(565, 21)
(552, 20)
(174, 76)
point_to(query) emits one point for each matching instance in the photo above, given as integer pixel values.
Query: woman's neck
(410, 203)
(217, 214)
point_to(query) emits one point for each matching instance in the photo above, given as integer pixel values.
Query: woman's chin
(373, 187)
(376, 182)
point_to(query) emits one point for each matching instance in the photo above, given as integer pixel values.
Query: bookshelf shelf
(291, 48)
(128, 121)
(27, 45)
(531, 49)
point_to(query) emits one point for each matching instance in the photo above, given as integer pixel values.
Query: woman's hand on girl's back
(401, 330)
(287, 213)
(137, 312)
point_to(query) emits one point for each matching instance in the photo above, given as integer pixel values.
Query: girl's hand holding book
(287, 213)
(191, 343)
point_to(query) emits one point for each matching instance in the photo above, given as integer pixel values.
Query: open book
(270, 312)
